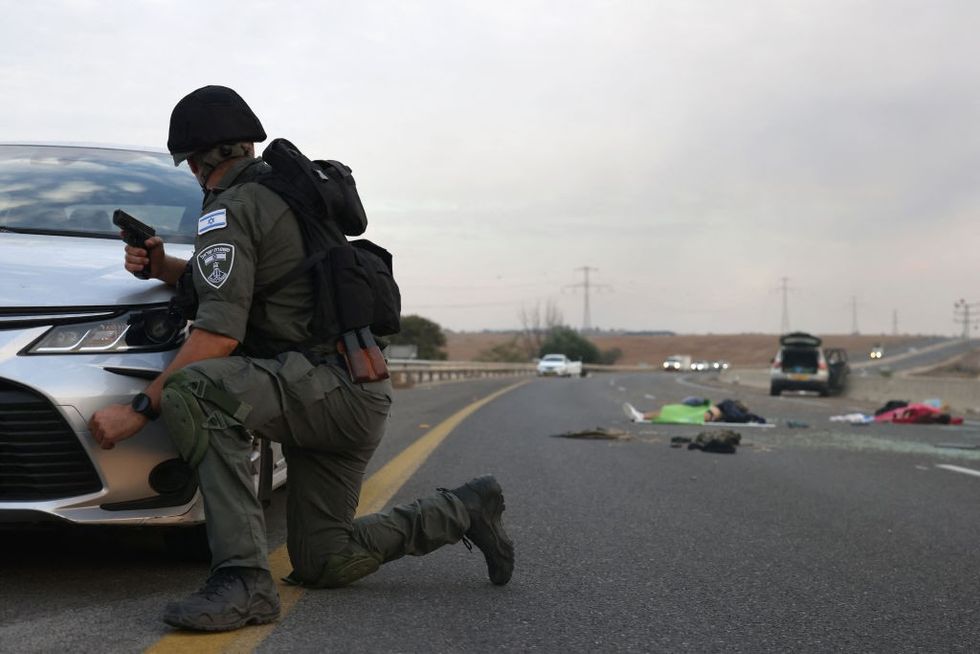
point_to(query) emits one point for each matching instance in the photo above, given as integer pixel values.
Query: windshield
(74, 191)
(554, 357)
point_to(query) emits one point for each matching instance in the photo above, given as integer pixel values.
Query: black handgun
(134, 233)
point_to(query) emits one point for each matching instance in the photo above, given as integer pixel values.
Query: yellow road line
(375, 493)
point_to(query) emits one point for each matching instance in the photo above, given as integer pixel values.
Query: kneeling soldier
(247, 368)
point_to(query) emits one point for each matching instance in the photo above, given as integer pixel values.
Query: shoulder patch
(215, 263)
(211, 221)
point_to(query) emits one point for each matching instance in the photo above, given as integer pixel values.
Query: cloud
(694, 152)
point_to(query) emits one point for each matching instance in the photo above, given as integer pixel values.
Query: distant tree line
(543, 332)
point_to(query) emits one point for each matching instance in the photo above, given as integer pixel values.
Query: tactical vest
(353, 282)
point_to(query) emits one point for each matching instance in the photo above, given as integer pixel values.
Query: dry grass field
(748, 350)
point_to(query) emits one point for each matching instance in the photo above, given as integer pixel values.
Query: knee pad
(185, 419)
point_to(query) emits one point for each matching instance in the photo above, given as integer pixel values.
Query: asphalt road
(825, 538)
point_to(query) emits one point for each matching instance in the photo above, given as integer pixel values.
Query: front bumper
(51, 467)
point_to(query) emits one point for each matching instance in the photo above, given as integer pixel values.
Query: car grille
(40, 456)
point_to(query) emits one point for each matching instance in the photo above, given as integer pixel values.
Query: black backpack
(353, 280)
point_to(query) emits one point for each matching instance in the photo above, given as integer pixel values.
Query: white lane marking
(683, 380)
(649, 397)
(965, 471)
(621, 389)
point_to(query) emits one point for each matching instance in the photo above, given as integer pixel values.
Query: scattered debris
(720, 442)
(678, 441)
(854, 418)
(797, 424)
(597, 433)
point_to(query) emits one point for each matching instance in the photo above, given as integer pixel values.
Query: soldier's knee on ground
(339, 570)
(182, 413)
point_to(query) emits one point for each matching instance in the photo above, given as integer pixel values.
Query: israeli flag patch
(212, 221)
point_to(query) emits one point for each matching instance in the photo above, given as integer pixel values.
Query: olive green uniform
(329, 427)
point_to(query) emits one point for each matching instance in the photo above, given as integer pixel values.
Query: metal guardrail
(407, 372)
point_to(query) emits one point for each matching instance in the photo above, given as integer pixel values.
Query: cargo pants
(329, 428)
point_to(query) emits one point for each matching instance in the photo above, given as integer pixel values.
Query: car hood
(63, 271)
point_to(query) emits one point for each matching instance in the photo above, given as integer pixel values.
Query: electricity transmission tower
(587, 287)
(962, 311)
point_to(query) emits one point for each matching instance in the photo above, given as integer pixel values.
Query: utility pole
(587, 286)
(854, 315)
(894, 322)
(784, 287)
(961, 315)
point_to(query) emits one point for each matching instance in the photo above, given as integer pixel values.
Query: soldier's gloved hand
(152, 253)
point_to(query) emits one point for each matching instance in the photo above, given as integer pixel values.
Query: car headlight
(133, 331)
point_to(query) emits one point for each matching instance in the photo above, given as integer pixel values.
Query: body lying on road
(696, 411)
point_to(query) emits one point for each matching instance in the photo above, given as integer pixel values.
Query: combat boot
(484, 501)
(230, 599)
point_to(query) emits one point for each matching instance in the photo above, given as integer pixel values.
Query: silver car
(78, 332)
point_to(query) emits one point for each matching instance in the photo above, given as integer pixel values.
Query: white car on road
(558, 365)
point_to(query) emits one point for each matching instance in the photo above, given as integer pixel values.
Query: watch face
(141, 403)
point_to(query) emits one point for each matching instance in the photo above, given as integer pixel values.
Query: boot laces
(466, 541)
(217, 584)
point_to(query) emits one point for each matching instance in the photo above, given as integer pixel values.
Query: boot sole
(250, 620)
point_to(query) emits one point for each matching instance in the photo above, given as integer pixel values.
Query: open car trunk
(800, 360)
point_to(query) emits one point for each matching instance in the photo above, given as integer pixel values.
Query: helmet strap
(208, 160)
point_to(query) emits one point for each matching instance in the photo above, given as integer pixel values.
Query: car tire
(824, 392)
(189, 544)
(775, 390)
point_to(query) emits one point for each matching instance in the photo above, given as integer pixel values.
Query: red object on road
(918, 414)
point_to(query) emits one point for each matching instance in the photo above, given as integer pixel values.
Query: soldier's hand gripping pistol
(134, 233)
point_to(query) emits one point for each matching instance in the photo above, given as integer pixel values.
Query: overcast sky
(694, 152)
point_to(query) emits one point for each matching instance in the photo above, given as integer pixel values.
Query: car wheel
(775, 390)
(824, 392)
(188, 543)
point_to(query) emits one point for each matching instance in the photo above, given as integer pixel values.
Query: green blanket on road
(682, 414)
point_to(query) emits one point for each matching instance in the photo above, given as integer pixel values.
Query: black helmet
(209, 116)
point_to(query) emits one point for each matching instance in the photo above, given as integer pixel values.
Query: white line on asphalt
(621, 389)
(965, 471)
(683, 380)
(649, 397)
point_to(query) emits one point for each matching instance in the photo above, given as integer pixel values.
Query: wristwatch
(142, 404)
